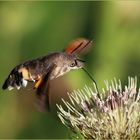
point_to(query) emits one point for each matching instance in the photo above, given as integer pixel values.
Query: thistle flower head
(116, 115)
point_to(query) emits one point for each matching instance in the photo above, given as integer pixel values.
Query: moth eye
(73, 64)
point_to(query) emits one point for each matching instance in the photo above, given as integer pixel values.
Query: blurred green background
(32, 29)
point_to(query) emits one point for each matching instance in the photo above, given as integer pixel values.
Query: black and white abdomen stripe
(15, 79)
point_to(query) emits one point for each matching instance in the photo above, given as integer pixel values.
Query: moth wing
(42, 89)
(78, 46)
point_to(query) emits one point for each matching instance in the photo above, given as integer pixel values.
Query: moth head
(76, 63)
(68, 62)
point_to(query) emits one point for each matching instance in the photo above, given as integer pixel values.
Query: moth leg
(37, 84)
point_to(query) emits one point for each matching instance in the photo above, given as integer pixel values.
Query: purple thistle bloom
(115, 116)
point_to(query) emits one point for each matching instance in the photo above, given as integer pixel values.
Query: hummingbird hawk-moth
(46, 68)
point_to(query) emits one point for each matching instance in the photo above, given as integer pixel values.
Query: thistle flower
(116, 115)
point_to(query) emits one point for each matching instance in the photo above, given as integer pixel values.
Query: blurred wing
(42, 86)
(78, 46)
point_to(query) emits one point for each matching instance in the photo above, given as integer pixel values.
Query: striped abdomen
(21, 74)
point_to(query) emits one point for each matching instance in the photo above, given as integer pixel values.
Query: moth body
(46, 68)
(32, 71)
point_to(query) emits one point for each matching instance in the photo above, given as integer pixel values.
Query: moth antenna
(81, 60)
(98, 94)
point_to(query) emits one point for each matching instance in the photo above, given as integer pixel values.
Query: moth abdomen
(15, 79)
